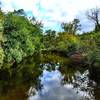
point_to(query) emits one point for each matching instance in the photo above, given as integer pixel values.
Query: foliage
(72, 27)
(92, 47)
(49, 39)
(62, 41)
(1, 56)
(21, 36)
(67, 41)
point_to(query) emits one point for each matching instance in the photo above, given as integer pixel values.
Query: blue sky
(53, 12)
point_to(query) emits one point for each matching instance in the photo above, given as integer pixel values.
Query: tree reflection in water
(53, 86)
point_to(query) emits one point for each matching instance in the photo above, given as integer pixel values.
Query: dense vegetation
(21, 36)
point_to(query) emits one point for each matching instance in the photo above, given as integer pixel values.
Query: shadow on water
(47, 77)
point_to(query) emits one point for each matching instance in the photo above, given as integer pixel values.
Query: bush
(1, 56)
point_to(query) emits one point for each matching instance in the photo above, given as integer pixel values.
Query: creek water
(49, 79)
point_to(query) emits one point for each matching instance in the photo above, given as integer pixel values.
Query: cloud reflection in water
(53, 89)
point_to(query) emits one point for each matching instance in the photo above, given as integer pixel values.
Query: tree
(2, 55)
(94, 15)
(67, 42)
(49, 38)
(21, 36)
(72, 27)
(19, 12)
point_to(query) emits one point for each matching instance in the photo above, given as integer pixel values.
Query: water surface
(49, 78)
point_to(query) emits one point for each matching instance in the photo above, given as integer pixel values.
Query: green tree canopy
(72, 27)
(20, 36)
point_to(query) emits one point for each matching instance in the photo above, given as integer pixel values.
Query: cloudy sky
(53, 12)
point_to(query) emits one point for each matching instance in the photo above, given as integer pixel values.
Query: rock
(77, 58)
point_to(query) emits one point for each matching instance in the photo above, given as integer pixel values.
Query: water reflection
(48, 77)
(53, 86)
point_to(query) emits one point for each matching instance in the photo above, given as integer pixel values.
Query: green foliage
(21, 36)
(91, 47)
(1, 56)
(72, 27)
(49, 39)
(68, 42)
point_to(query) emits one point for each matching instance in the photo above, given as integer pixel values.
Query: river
(48, 78)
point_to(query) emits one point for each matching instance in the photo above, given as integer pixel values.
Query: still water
(50, 80)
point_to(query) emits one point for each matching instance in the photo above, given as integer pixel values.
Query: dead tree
(94, 16)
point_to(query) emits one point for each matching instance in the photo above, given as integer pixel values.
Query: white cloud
(69, 7)
(51, 10)
(17, 4)
(6, 5)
